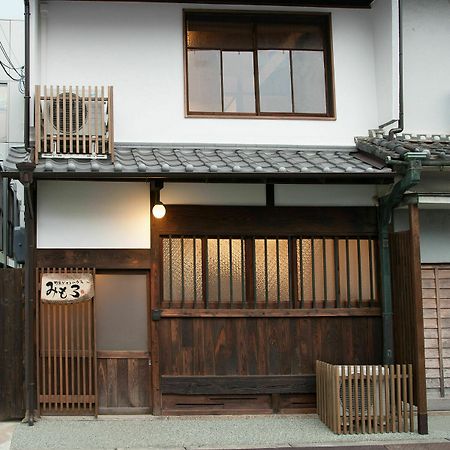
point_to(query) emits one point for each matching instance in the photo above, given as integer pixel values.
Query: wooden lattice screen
(74, 121)
(66, 357)
(365, 398)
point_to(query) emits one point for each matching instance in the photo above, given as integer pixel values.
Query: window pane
(204, 81)
(182, 271)
(238, 82)
(272, 270)
(219, 35)
(121, 312)
(309, 82)
(3, 111)
(274, 81)
(225, 271)
(289, 36)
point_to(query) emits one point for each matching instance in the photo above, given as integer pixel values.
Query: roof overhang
(211, 163)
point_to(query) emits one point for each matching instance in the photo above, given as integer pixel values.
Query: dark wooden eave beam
(293, 3)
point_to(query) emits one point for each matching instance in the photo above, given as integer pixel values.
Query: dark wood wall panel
(123, 385)
(12, 398)
(266, 221)
(266, 346)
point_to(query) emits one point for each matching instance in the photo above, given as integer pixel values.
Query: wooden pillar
(422, 415)
(155, 304)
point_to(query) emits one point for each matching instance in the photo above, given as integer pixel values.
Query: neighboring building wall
(83, 214)
(11, 109)
(427, 66)
(138, 48)
(434, 233)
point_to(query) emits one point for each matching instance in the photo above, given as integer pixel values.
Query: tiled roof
(209, 159)
(406, 146)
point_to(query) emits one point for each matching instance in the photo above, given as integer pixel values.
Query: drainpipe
(26, 177)
(385, 211)
(399, 129)
(26, 118)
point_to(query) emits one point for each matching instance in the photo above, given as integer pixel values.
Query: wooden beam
(211, 385)
(323, 312)
(284, 221)
(95, 258)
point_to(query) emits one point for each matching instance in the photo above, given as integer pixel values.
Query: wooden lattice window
(271, 272)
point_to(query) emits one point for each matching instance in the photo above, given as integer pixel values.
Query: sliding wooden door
(122, 339)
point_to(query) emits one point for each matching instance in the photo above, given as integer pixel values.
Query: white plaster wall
(213, 194)
(385, 31)
(285, 194)
(138, 48)
(87, 214)
(326, 195)
(427, 66)
(434, 233)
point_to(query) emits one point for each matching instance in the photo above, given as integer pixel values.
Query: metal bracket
(156, 314)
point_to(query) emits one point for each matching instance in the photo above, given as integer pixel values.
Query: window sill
(259, 117)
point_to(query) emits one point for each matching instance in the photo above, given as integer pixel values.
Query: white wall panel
(138, 48)
(326, 195)
(86, 214)
(213, 194)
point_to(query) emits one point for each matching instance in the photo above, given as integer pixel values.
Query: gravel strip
(198, 432)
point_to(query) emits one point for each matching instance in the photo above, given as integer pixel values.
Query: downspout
(26, 177)
(26, 118)
(385, 211)
(399, 129)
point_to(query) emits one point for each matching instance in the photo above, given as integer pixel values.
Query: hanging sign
(67, 287)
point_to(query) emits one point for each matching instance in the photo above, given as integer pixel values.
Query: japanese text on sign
(66, 288)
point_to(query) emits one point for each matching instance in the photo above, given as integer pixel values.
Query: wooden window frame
(276, 17)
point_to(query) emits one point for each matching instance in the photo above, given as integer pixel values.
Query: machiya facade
(277, 247)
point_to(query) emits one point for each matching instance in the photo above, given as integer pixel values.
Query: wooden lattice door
(66, 357)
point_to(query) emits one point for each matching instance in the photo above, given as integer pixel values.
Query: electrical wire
(5, 69)
(8, 59)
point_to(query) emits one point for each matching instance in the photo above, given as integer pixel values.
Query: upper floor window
(242, 64)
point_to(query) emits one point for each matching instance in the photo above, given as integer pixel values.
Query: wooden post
(420, 377)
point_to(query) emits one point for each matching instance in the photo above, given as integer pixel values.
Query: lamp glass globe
(159, 211)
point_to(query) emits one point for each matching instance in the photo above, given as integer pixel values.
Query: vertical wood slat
(366, 399)
(64, 120)
(66, 357)
(38, 121)
(89, 115)
(110, 122)
(439, 332)
(58, 134)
